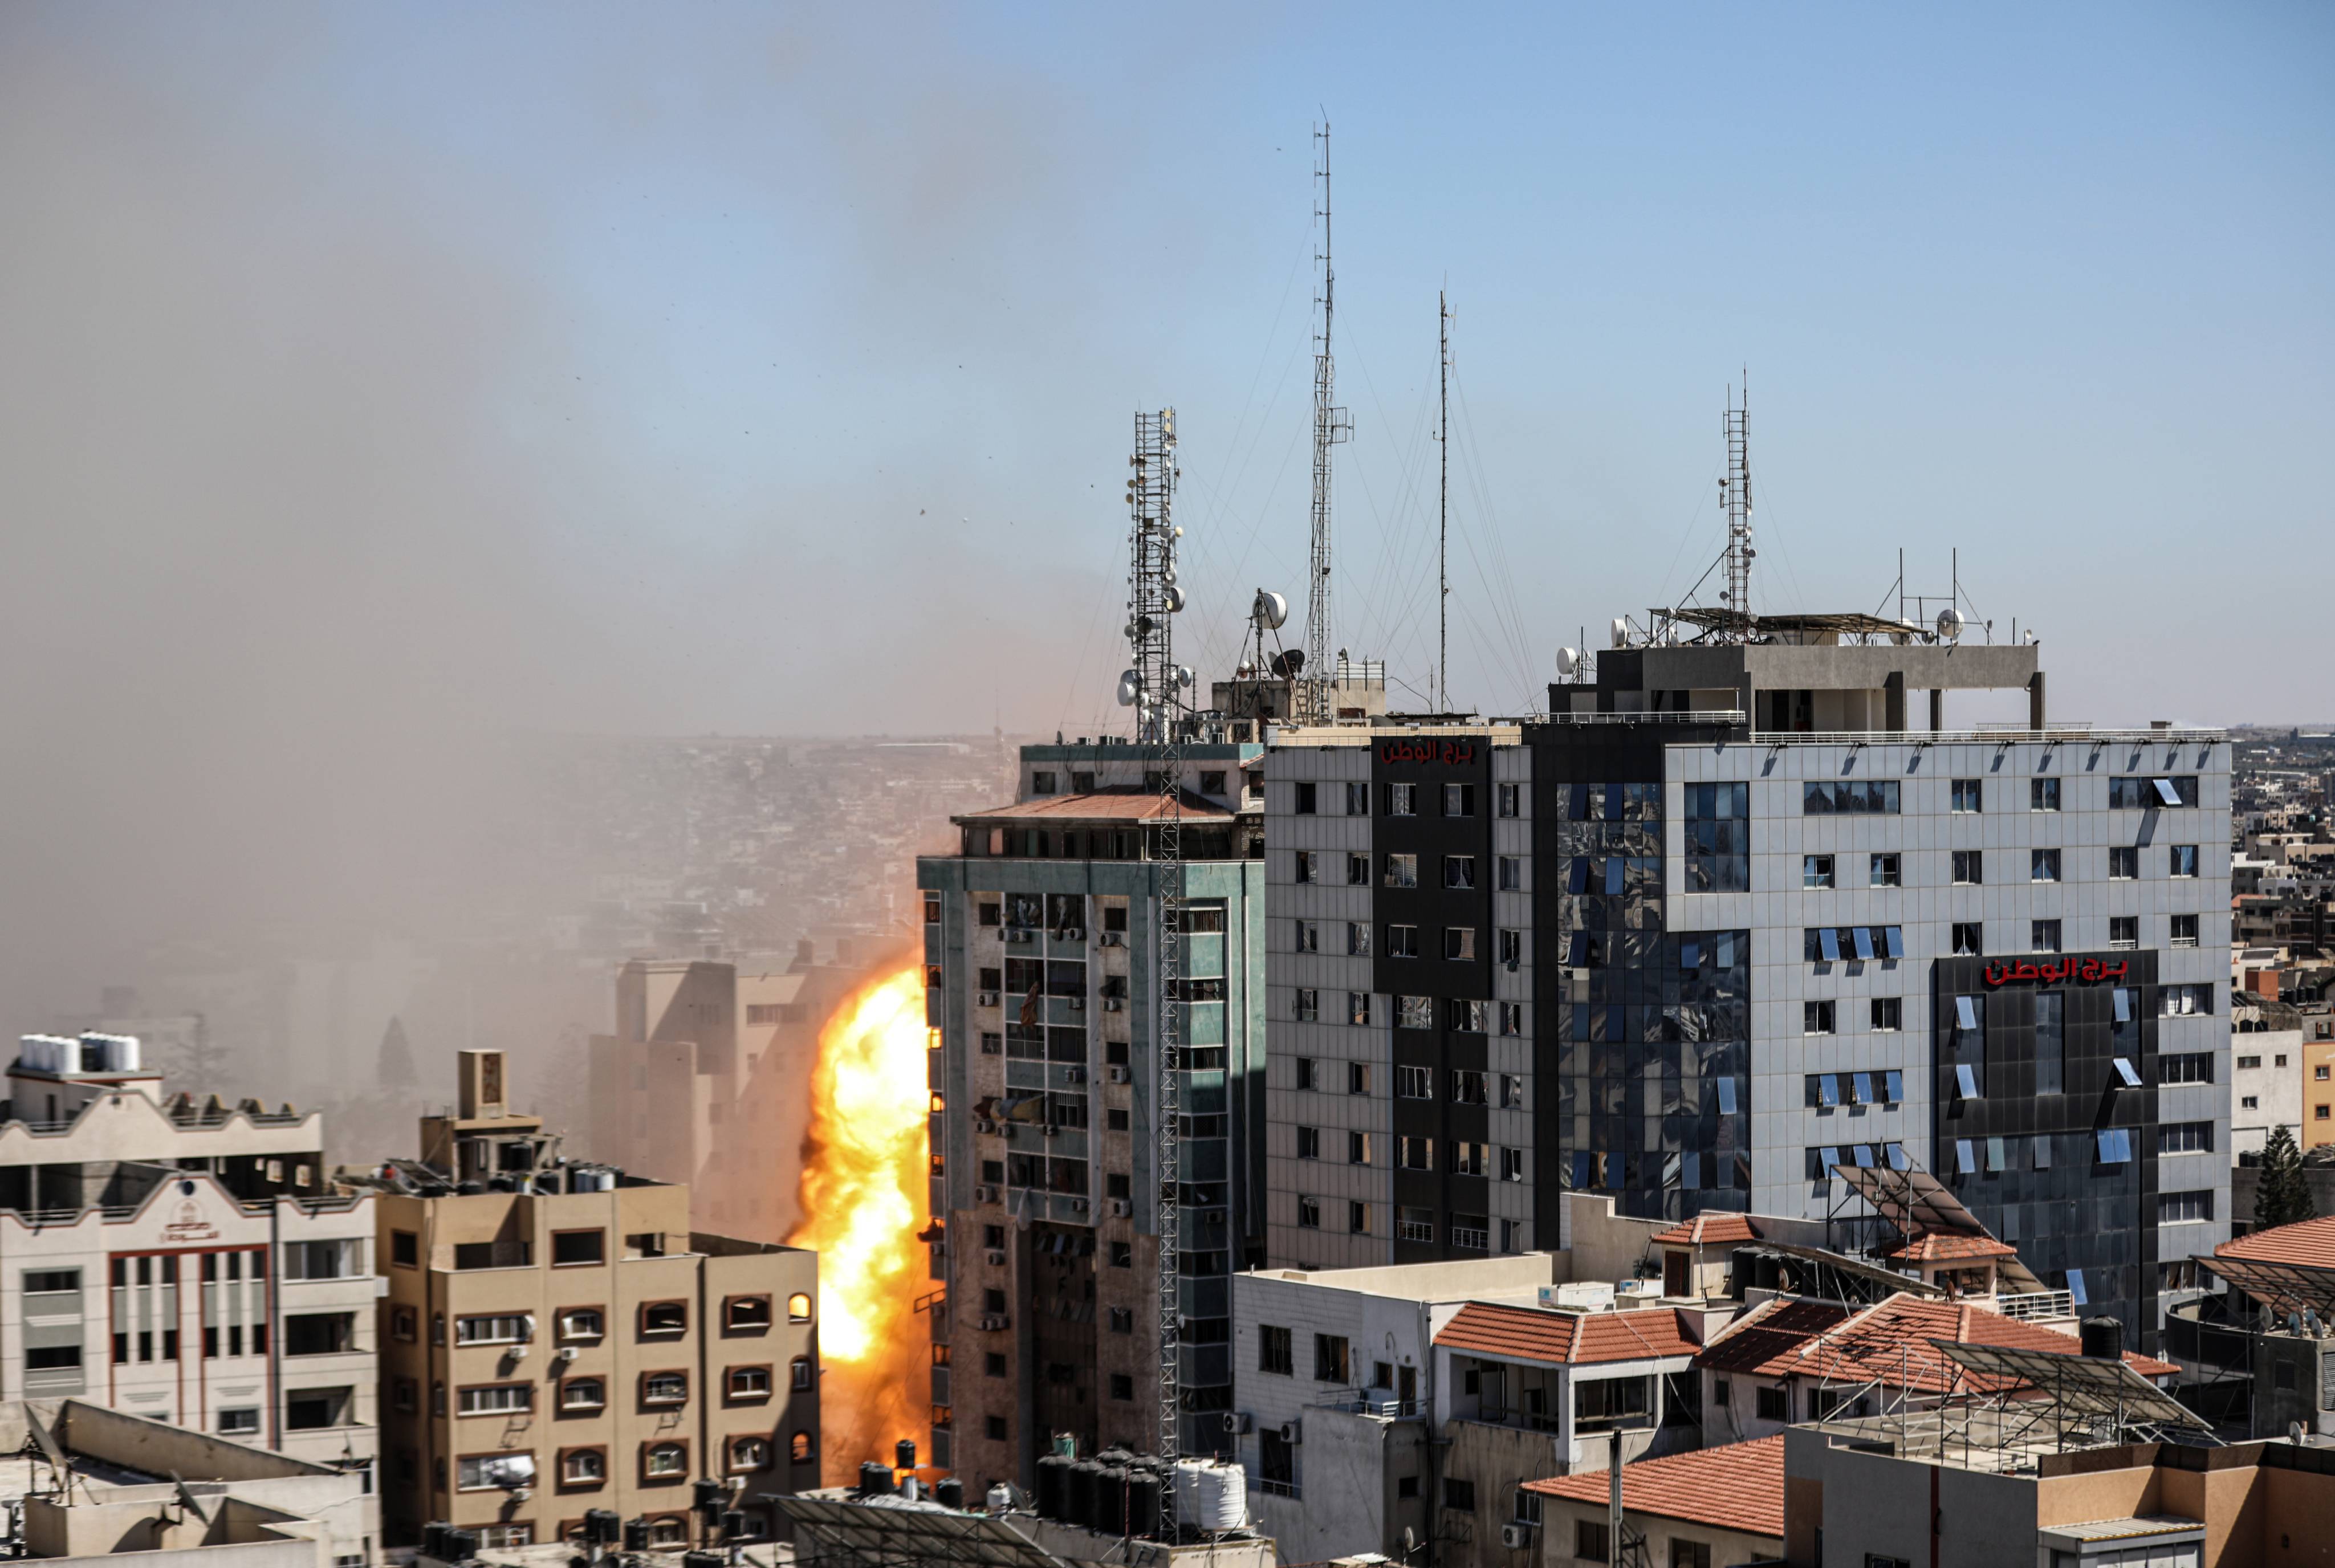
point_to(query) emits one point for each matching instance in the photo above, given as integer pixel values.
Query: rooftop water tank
(1211, 1496)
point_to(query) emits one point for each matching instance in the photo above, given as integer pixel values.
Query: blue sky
(677, 368)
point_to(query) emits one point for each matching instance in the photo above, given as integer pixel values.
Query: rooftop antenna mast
(1154, 687)
(1735, 490)
(1316, 703)
(1443, 510)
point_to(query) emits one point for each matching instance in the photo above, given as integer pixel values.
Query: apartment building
(1723, 922)
(2266, 1075)
(182, 1261)
(557, 1338)
(1042, 951)
(702, 1083)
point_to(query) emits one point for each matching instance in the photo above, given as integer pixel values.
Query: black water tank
(2102, 1338)
(462, 1546)
(875, 1478)
(950, 1493)
(1110, 1495)
(903, 1454)
(603, 1525)
(1143, 1496)
(1080, 1509)
(1053, 1486)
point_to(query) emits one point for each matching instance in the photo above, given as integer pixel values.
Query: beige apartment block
(184, 1263)
(701, 1051)
(555, 1337)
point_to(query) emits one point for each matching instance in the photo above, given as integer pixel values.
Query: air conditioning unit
(1293, 1433)
(1079, 1206)
(1074, 1074)
(986, 998)
(1119, 1075)
(565, 1352)
(517, 1353)
(994, 1323)
(1113, 1004)
(1121, 1207)
(521, 1493)
(1078, 1004)
(984, 1126)
(1111, 939)
(984, 1194)
(1237, 1422)
(1516, 1537)
(994, 1257)
(1074, 934)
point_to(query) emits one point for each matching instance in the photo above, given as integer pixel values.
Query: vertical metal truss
(1317, 702)
(1735, 489)
(1153, 599)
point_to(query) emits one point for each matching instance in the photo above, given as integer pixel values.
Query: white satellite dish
(1130, 687)
(1950, 625)
(1568, 662)
(1184, 676)
(1621, 633)
(1175, 597)
(1270, 611)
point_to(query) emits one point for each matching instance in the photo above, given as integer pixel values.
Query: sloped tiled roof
(1768, 1331)
(1537, 1334)
(1709, 1230)
(1735, 1486)
(1888, 1342)
(2307, 1244)
(1939, 1247)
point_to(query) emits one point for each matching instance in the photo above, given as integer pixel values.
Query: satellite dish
(1286, 664)
(1621, 633)
(1270, 611)
(1174, 596)
(1131, 686)
(1183, 674)
(1568, 662)
(1950, 625)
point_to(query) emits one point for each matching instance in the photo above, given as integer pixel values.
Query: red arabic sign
(1451, 753)
(2090, 971)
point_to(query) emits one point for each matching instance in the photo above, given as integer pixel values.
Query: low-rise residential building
(2267, 1073)
(180, 1260)
(555, 1337)
(2318, 1084)
(84, 1483)
(2262, 1354)
(1714, 1506)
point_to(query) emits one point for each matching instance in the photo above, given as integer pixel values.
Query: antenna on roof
(1332, 425)
(1735, 491)
(1443, 510)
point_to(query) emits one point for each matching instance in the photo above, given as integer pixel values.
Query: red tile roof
(1938, 1247)
(1102, 806)
(2307, 1244)
(1538, 1335)
(1735, 1486)
(1889, 1341)
(1710, 1230)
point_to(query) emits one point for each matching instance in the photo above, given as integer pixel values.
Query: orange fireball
(864, 1196)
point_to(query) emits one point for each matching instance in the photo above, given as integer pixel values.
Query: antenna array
(1316, 703)
(1735, 490)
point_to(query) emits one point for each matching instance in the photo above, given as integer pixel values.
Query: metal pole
(1443, 510)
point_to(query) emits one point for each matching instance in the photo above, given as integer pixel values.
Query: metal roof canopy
(1857, 1269)
(1918, 1204)
(868, 1536)
(2290, 1288)
(2080, 1384)
(1851, 622)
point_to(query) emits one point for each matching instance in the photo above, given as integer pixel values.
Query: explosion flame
(864, 1188)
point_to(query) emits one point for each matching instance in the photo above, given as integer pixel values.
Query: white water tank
(1211, 1496)
(1001, 1498)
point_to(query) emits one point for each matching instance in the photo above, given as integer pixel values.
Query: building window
(2043, 936)
(749, 1453)
(1815, 871)
(1414, 1013)
(2183, 859)
(1357, 1219)
(1122, 1320)
(1309, 936)
(1884, 871)
(406, 1249)
(508, 1329)
(1309, 1004)
(240, 1422)
(1304, 804)
(668, 1530)
(665, 1461)
(480, 1472)
(494, 1399)
(1358, 939)
(1309, 1143)
(2185, 930)
(1465, 1014)
(1969, 939)
(1969, 867)
(2043, 795)
(2043, 865)
(746, 1314)
(1510, 799)
(2124, 930)
(2124, 863)
(1591, 1542)
(1458, 800)
(1304, 865)
(1331, 1361)
(1849, 797)
(1358, 797)
(583, 1394)
(664, 1388)
(1402, 799)
(1358, 1149)
(1468, 1086)
(1358, 871)
(664, 1317)
(1122, 1386)
(1309, 1213)
(1402, 941)
(1414, 1225)
(1459, 943)
(2185, 1067)
(1309, 1072)
(2184, 1208)
(571, 1249)
(1512, 1165)
(1969, 794)
(753, 1382)
(1512, 1091)
(799, 1446)
(1122, 1254)
(1467, 1159)
(1459, 871)
(1403, 871)
(1511, 874)
(1414, 1083)
(2185, 1137)
(1888, 1014)
(1512, 1018)
(1775, 1404)
(1686, 1553)
(582, 1467)
(1272, 1350)
(2152, 794)
(1358, 1077)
